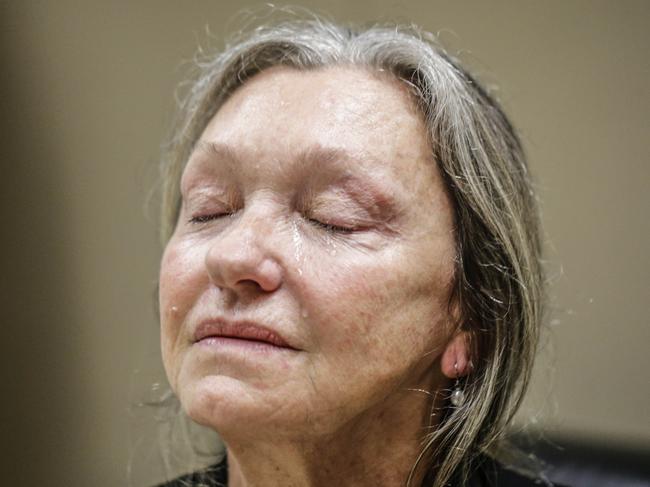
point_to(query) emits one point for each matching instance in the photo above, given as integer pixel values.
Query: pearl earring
(457, 395)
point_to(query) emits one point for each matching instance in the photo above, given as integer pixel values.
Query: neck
(379, 447)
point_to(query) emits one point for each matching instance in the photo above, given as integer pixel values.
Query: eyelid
(200, 212)
(204, 204)
(330, 227)
(198, 219)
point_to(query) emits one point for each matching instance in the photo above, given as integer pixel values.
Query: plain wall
(87, 98)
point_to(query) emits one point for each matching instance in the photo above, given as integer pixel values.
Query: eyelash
(206, 218)
(328, 227)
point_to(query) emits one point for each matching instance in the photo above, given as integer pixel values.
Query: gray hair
(499, 284)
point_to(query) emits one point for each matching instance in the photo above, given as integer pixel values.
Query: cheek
(347, 302)
(345, 298)
(382, 307)
(182, 279)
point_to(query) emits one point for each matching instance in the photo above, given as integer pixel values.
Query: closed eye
(208, 217)
(330, 227)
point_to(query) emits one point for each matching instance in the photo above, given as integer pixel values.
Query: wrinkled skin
(312, 206)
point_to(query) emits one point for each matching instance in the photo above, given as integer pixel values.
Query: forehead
(282, 114)
(336, 94)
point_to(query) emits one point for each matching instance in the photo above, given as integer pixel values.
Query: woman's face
(308, 278)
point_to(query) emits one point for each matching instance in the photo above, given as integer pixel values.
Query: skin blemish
(173, 312)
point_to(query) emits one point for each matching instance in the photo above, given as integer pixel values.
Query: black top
(489, 474)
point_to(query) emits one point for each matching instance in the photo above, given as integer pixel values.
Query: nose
(241, 258)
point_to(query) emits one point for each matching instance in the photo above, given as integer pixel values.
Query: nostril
(249, 268)
(250, 284)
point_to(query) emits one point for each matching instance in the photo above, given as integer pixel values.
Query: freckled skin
(367, 311)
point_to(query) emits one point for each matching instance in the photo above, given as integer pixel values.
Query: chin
(228, 406)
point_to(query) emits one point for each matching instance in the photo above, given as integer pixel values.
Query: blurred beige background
(87, 98)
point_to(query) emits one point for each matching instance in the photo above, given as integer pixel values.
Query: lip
(250, 331)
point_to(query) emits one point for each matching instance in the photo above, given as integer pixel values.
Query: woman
(351, 287)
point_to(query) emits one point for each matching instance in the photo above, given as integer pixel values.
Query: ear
(455, 361)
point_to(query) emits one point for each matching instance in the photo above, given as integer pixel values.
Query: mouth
(219, 331)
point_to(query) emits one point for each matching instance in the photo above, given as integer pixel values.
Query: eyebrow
(224, 153)
(314, 162)
(309, 156)
(306, 159)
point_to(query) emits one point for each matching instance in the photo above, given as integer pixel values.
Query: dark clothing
(214, 476)
(489, 474)
(492, 474)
